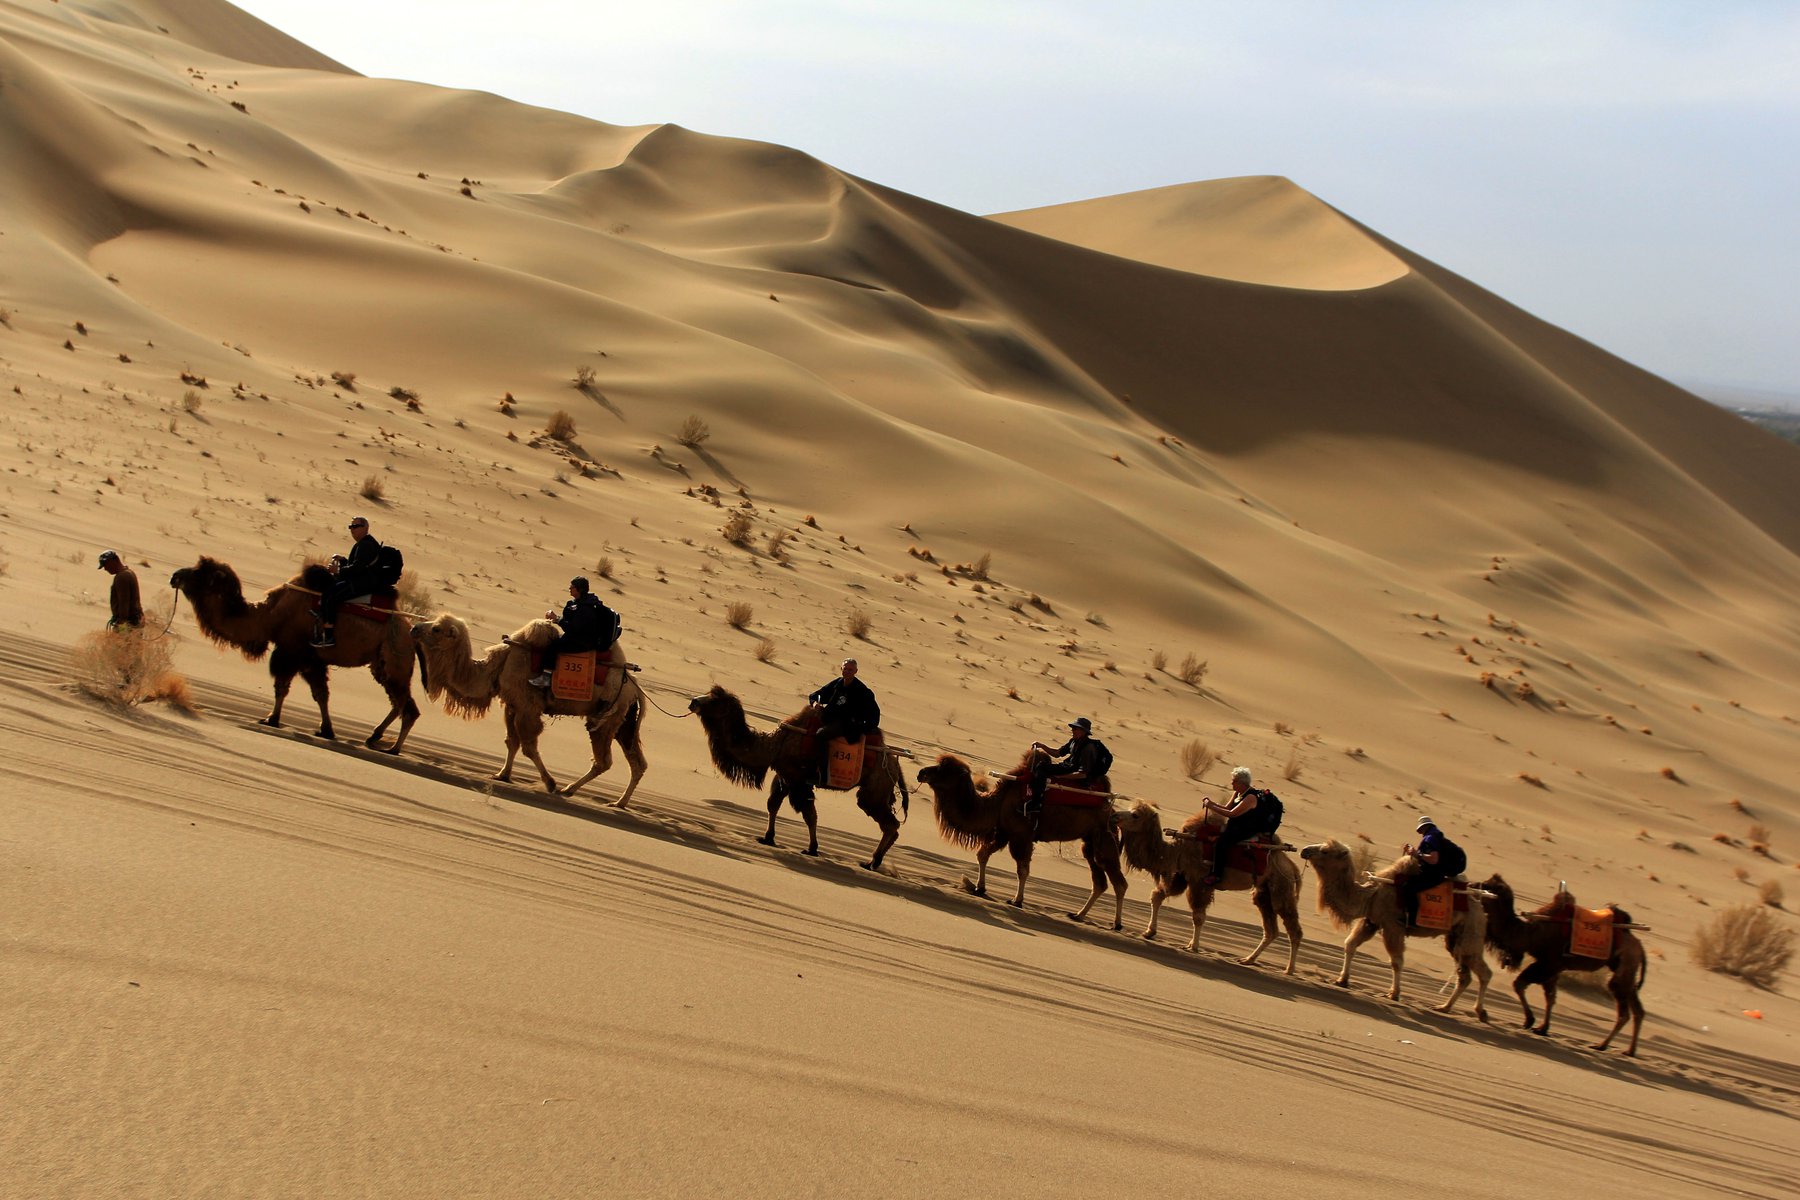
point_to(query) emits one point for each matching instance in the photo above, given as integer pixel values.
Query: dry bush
(130, 666)
(373, 489)
(1282, 728)
(1159, 661)
(736, 529)
(1770, 893)
(858, 623)
(1193, 670)
(1747, 941)
(414, 596)
(1290, 770)
(190, 401)
(604, 568)
(693, 431)
(979, 568)
(738, 614)
(765, 651)
(1533, 780)
(584, 377)
(776, 545)
(560, 426)
(1759, 833)
(1669, 773)
(345, 380)
(1196, 758)
(1741, 874)
(400, 393)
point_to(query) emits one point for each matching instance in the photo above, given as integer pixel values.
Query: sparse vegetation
(858, 623)
(128, 667)
(560, 426)
(190, 402)
(693, 431)
(1193, 670)
(1159, 661)
(765, 651)
(776, 545)
(1291, 769)
(1748, 941)
(373, 489)
(405, 394)
(1533, 780)
(604, 568)
(738, 614)
(415, 597)
(1196, 758)
(345, 380)
(1770, 893)
(584, 377)
(737, 527)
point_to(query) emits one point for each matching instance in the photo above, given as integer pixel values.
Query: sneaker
(540, 680)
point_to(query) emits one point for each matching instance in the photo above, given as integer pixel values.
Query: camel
(282, 622)
(1178, 866)
(1374, 907)
(467, 686)
(746, 757)
(1546, 943)
(985, 819)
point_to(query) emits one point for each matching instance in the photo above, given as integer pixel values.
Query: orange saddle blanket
(847, 761)
(1439, 905)
(1591, 933)
(578, 677)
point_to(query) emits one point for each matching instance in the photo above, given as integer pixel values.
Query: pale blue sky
(1628, 170)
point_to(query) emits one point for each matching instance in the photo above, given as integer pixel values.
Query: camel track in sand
(475, 847)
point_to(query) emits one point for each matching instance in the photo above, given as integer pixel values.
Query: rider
(1085, 761)
(1439, 859)
(1243, 821)
(587, 624)
(850, 711)
(357, 577)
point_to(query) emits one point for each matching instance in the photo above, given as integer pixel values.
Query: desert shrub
(693, 431)
(1770, 893)
(584, 377)
(738, 614)
(1748, 941)
(604, 568)
(776, 545)
(858, 623)
(1193, 670)
(400, 393)
(415, 597)
(1196, 757)
(1290, 770)
(1159, 660)
(560, 426)
(765, 651)
(131, 666)
(373, 489)
(737, 527)
(190, 401)
(345, 380)
(979, 568)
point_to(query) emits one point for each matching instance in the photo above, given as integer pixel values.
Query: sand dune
(1434, 555)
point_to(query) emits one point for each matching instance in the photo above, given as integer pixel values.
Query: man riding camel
(587, 624)
(850, 711)
(1085, 762)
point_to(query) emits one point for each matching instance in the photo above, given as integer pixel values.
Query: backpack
(1451, 859)
(608, 626)
(1103, 761)
(389, 563)
(1267, 815)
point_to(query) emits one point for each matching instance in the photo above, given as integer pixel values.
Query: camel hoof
(271, 722)
(1541, 1032)
(811, 852)
(1016, 903)
(870, 866)
(1481, 1015)
(326, 734)
(767, 841)
(1343, 983)
(1118, 927)
(1075, 917)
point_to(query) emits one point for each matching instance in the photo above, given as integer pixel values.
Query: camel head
(1141, 817)
(208, 577)
(444, 633)
(1328, 853)
(946, 771)
(1140, 836)
(718, 708)
(734, 748)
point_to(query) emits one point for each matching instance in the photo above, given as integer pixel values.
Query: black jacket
(587, 624)
(1087, 758)
(850, 702)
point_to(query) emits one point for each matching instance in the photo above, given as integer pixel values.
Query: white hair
(1242, 773)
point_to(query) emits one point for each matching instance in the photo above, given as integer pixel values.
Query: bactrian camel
(1374, 907)
(746, 756)
(1546, 943)
(467, 686)
(281, 625)
(983, 819)
(1178, 867)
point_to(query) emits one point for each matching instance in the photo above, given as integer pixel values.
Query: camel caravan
(575, 666)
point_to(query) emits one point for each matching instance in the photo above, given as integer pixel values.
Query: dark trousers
(561, 646)
(1412, 885)
(342, 589)
(1042, 774)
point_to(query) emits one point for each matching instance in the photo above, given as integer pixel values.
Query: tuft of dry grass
(604, 568)
(1196, 758)
(190, 402)
(406, 394)
(738, 614)
(765, 651)
(1291, 769)
(1747, 941)
(126, 667)
(1533, 780)
(693, 431)
(1759, 832)
(858, 623)
(1159, 661)
(415, 597)
(1770, 893)
(737, 528)
(1193, 670)
(345, 380)
(776, 545)
(584, 377)
(560, 426)
(373, 489)
(1669, 773)
(1282, 728)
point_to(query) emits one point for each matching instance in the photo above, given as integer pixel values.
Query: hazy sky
(1628, 170)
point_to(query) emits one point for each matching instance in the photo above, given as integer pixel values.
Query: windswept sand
(1218, 419)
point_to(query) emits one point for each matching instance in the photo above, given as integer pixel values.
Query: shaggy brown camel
(985, 819)
(467, 686)
(1374, 907)
(746, 757)
(1546, 943)
(1178, 866)
(282, 622)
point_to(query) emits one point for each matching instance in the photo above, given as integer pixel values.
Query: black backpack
(389, 564)
(1102, 761)
(1451, 859)
(1267, 815)
(609, 626)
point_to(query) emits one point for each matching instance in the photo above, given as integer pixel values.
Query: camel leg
(1462, 984)
(1483, 973)
(1265, 906)
(282, 684)
(317, 676)
(631, 741)
(1394, 940)
(1099, 881)
(890, 833)
(1361, 932)
(1290, 917)
(1199, 906)
(1549, 1002)
(1533, 973)
(981, 861)
(1116, 876)
(600, 754)
(804, 801)
(777, 793)
(1021, 852)
(512, 745)
(1626, 999)
(531, 727)
(1157, 897)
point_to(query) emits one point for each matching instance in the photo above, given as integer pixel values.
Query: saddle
(1590, 929)
(1070, 796)
(1438, 905)
(377, 606)
(849, 761)
(578, 677)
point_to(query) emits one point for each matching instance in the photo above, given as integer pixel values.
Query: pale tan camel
(1374, 907)
(467, 686)
(747, 757)
(1178, 867)
(283, 621)
(985, 819)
